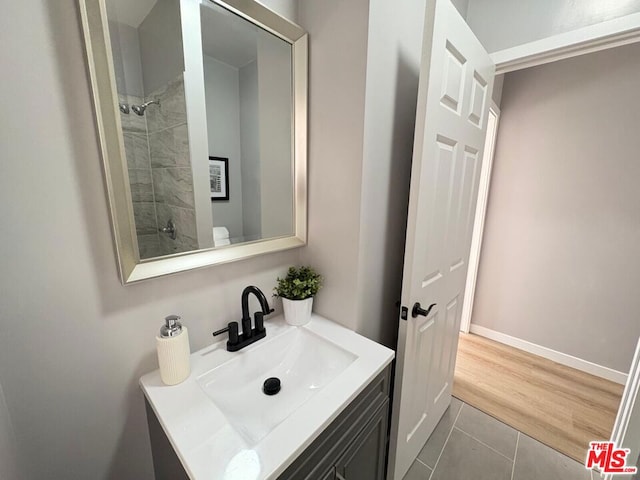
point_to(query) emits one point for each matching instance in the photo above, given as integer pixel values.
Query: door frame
(626, 429)
(479, 220)
(593, 38)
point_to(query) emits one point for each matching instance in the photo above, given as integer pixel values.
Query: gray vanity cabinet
(365, 458)
(354, 446)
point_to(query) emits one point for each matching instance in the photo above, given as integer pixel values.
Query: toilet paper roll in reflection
(173, 351)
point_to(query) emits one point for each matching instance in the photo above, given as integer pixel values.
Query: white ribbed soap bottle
(173, 351)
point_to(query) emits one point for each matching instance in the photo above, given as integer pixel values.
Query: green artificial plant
(299, 284)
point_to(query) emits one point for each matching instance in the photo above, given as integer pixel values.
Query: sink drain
(271, 386)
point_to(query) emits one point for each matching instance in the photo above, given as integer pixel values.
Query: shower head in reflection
(139, 109)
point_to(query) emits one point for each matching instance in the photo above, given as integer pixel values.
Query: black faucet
(249, 335)
(259, 316)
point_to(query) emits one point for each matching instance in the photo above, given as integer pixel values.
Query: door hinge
(404, 313)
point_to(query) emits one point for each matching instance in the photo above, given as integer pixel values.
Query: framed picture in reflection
(219, 178)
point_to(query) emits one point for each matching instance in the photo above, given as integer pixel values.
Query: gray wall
(126, 58)
(501, 24)
(462, 6)
(559, 265)
(250, 150)
(286, 8)
(9, 467)
(276, 119)
(360, 154)
(337, 69)
(393, 67)
(160, 37)
(222, 88)
(74, 341)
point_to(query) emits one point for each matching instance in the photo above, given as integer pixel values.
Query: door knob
(418, 310)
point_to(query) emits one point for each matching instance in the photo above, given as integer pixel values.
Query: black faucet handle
(258, 320)
(232, 328)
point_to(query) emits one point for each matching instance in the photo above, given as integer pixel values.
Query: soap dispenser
(173, 351)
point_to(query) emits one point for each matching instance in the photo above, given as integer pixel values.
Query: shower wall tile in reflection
(174, 186)
(149, 246)
(185, 222)
(141, 185)
(170, 147)
(136, 147)
(171, 167)
(172, 110)
(144, 214)
(159, 166)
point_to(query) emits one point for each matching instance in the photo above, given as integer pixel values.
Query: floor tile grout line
(480, 441)
(484, 444)
(515, 456)
(491, 417)
(420, 461)
(444, 445)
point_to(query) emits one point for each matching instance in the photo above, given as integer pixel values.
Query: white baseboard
(553, 355)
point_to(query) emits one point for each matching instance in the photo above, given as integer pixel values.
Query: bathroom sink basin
(304, 363)
(220, 423)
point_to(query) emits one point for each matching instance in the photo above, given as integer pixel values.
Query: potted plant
(297, 290)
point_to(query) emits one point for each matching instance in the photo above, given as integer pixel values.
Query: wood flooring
(559, 406)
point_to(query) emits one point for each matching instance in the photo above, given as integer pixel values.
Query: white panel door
(456, 81)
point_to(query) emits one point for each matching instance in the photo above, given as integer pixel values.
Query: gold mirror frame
(100, 63)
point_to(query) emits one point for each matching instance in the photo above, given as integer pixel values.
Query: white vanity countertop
(210, 448)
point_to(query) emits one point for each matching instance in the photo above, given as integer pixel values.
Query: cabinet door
(365, 457)
(319, 460)
(330, 475)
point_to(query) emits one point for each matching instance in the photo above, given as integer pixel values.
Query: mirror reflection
(242, 191)
(248, 90)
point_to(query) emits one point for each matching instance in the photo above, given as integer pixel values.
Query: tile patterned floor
(468, 444)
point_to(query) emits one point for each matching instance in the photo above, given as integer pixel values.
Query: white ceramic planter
(297, 312)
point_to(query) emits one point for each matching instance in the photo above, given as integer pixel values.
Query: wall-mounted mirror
(201, 110)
